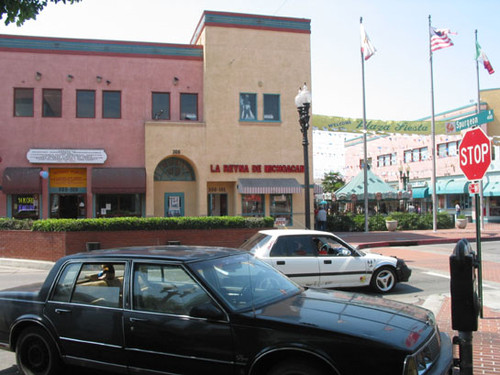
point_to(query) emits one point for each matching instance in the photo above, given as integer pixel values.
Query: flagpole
(433, 136)
(478, 109)
(365, 148)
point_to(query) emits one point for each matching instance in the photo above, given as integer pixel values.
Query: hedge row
(406, 221)
(135, 223)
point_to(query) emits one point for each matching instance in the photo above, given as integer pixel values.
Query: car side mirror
(207, 311)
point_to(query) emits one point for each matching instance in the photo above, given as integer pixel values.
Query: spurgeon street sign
(481, 118)
(474, 154)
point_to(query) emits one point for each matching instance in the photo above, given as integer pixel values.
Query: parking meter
(463, 288)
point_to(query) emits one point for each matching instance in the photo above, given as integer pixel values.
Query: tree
(19, 11)
(332, 181)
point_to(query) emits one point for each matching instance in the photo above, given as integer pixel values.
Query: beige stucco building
(242, 162)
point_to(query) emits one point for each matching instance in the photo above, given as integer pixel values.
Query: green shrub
(406, 221)
(137, 223)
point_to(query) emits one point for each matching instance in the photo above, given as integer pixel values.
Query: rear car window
(255, 242)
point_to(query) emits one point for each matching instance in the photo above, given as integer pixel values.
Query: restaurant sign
(255, 168)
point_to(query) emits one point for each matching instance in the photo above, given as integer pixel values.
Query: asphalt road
(426, 287)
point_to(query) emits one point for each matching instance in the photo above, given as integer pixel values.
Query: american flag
(440, 39)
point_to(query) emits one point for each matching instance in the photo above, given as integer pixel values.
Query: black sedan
(192, 310)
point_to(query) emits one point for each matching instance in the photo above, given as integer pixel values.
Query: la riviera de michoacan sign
(256, 168)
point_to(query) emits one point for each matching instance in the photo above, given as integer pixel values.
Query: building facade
(105, 128)
(405, 162)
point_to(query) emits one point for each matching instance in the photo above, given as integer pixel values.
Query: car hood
(387, 322)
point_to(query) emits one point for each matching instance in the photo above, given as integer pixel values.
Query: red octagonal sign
(475, 154)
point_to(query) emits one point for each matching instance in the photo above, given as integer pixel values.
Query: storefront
(23, 188)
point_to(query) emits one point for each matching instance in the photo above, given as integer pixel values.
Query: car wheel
(295, 367)
(383, 280)
(36, 353)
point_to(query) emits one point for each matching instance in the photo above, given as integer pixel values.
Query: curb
(26, 263)
(365, 245)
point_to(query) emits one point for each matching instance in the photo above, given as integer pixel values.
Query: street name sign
(481, 118)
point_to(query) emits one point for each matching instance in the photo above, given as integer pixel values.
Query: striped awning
(269, 186)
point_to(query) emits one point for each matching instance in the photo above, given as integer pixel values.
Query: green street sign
(481, 118)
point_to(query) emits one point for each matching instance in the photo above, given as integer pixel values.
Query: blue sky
(397, 77)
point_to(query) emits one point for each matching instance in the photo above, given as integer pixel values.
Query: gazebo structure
(382, 197)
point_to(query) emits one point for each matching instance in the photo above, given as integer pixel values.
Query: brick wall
(53, 245)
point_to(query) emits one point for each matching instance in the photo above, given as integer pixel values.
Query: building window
(161, 106)
(362, 163)
(447, 149)
(281, 207)
(271, 107)
(189, 107)
(52, 103)
(23, 102)
(85, 103)
(174, 169)
(416, 154)
(111, 104)
(25, 206)
(252, 205)
(117, 205)
(248, 107)
(386, 160)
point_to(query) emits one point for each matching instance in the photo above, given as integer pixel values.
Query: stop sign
(475, 154)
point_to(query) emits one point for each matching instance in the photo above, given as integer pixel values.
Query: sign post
(474, 159)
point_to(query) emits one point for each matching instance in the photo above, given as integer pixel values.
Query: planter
(461, 223)
(391, 225)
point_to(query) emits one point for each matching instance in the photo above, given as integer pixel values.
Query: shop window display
(252, 205)
(116, 205)
(281, 207)
(25, 206)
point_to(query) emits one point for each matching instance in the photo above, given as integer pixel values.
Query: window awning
(269, 186)
(22, 181)
(420, 192)
(491, 186)
(118, 180)
(451, 186)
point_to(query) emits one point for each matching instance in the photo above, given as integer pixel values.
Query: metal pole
(466, 356)
(365, 147)
(478, 248)
(304, 126)
(478, 109)
(433, 136)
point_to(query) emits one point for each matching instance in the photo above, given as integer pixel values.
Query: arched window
(174, 169)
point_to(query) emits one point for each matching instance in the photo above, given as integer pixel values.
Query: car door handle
(138, 320)
(280, 262)
(327, 261)
(62, 311)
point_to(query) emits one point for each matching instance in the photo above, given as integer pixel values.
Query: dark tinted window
(111, 104)
(189, 107)
(23, 102)
(85, 103)
(161, 106)
(52, 103)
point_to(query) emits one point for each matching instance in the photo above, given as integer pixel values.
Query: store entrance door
(217, 205)
(67, 206)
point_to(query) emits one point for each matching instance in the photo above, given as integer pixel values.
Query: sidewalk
(486, 341)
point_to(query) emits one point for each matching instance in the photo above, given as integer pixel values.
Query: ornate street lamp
(303, 103)
(404, 176)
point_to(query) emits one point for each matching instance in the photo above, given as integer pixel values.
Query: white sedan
(321, 259)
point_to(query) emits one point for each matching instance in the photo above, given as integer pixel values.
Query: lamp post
(404, 176)
(303, 103)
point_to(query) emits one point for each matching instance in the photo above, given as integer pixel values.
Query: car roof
(293, 232)
(176, 253)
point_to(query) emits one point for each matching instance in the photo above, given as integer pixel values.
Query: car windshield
(255, 242)
(244, 282)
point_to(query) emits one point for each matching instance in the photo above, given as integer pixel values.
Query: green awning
(420, 192)
(491, 186)
(451, 186)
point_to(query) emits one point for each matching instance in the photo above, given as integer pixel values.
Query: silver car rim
(385, 280)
